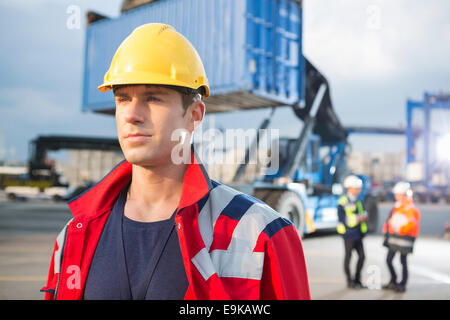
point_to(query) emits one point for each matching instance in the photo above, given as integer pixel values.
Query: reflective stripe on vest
(341, 228)
(238, 260)
(60, 240)
(401, 242)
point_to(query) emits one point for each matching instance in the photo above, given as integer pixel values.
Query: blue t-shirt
(127, 255)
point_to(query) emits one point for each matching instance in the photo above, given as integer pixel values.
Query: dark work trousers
(351, 244)
(390, 257)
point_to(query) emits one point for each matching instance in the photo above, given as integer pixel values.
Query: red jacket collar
(101, 197)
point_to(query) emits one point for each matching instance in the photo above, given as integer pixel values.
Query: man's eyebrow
(120, 94)
(154, 91)
(146, 93)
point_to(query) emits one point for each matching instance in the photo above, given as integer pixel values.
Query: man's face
(354, 191)
(146, 116)
(400, 197)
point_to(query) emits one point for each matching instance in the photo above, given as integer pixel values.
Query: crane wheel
(290, 206)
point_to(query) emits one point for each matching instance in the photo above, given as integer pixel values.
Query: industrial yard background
(385, 68)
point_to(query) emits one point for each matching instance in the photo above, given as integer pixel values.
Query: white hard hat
(353, 181)
(402, 187)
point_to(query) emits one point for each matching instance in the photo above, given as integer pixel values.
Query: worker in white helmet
(352, 226)
(401, 229)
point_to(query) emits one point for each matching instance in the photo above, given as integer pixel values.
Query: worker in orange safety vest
(401, 229)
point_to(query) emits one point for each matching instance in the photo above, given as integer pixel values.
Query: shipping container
(251, 49)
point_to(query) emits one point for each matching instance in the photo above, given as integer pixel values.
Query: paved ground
(28, 230)
(429, 269)
(27, 235)
(429, 265)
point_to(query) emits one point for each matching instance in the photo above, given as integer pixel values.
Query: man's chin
(146, 160)
(141, 162)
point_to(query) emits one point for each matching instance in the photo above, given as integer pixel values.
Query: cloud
(41, 72)
(373, 59)
(28, 112)
(378, 53)
(107, 7)
(377, 39)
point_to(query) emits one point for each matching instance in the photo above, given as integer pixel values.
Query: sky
(375, 54)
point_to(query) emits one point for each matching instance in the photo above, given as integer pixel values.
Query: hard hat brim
(149, 78)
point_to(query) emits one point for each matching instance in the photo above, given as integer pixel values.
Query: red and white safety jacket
(233, 245)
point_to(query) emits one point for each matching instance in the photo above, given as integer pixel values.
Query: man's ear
(197, 112)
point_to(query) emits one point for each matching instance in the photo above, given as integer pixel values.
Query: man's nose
(134, 112)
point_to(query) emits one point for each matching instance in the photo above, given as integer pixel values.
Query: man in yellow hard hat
(156, 227)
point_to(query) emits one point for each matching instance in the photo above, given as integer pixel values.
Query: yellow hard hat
(156, 53)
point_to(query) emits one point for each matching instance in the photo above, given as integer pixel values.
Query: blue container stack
(251, 49)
